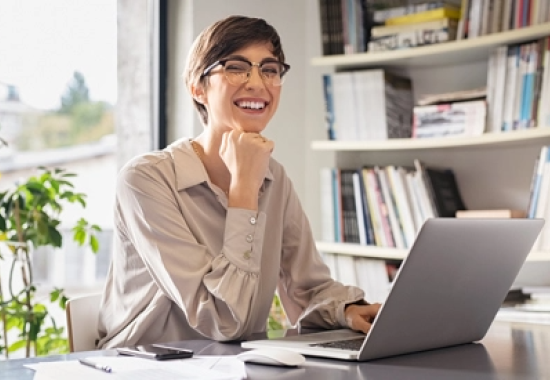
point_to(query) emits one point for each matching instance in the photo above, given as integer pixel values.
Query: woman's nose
(254, 77)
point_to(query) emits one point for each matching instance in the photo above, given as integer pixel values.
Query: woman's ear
(197, 92)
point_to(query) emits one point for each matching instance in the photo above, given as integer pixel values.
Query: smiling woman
(208, 229)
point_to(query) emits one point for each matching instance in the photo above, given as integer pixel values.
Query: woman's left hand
(360, 317)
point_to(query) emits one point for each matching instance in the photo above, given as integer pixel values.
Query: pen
(101, 367)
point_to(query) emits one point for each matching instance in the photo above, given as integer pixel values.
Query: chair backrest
(82, 319)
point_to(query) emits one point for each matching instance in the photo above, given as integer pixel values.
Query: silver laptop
(447, 292)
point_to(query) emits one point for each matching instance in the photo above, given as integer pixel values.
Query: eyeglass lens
(238, 72)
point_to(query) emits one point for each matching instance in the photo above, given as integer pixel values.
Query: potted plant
(29, 218)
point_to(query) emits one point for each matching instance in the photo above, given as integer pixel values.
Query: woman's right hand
(246, 156)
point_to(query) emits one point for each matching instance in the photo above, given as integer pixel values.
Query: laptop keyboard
(347, 344)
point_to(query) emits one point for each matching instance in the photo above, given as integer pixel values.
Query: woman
(207, 229)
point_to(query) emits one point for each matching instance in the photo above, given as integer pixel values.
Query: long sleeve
(308, 293)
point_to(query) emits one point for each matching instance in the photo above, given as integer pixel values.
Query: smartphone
(154, 351)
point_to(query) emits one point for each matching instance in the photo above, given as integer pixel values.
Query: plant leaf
(94, 243)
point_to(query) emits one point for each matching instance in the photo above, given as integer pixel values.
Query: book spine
(510, 88)
(403, 206)
(381, 31)
(412, 38)
(349, 211)
(325, 29)
(329, 106)
(361, 223)
(379, 237)
(327, 205)
(391, 206)
(339, 220)
(429, 15)
(366, 212)
(460, 118)
(543, 117)
(539, 71)
(383, 209)
(537, 178)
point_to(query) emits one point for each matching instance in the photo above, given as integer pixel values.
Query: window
(58, 91)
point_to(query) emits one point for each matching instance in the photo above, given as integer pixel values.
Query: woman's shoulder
(160, 161)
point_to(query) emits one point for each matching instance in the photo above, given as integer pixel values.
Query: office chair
(82, 317)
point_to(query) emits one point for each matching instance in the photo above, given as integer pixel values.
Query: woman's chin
(251, 127)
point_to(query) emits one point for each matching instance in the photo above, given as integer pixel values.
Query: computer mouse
(272, 356)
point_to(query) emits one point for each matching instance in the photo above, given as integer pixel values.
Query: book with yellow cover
(434, 14)
(379, 31)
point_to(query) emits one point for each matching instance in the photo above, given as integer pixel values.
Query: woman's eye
(236, 68)
(271, 69)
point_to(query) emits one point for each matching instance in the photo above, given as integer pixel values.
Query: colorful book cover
(434, 14)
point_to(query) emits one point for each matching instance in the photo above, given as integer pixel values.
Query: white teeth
(252, 105)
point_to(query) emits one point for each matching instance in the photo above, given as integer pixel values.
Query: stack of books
(345, 26)
(385, 206)
(460, 113)
(482, 17)
(430, 22)
(367, 105)
(518, 86)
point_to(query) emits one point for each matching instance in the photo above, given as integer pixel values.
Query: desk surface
(509, 351)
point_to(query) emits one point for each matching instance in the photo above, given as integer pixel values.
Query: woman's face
(248, 106)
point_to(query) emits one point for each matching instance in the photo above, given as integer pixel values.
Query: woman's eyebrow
(242, 58)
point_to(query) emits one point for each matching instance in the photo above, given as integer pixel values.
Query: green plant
(29, 218)
(277, 320)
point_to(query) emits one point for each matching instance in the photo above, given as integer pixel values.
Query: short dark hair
(221, 39)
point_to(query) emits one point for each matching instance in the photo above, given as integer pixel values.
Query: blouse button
(247, 255)
(252, 220)
(249, 238)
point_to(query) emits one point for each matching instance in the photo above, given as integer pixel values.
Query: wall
(135, 113)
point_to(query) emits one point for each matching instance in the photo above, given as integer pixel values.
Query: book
(349, 210)
(448, 97)
(382, 15)
(371, 105)
(443, 190)
(379, 31)
(329, 107)
(412, 38)
(402, 202)
(450, 119)
(503, 213)
(328, 211)
(430, 15)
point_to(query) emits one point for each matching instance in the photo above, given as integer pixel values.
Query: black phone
(155, 351)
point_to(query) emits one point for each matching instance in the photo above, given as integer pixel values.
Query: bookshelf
(453, 52)
(392, 253)
(515, 138)
(493, 170)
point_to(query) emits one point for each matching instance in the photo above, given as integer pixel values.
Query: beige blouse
(185, 266)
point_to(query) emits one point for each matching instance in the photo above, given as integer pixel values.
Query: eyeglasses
(238, 71)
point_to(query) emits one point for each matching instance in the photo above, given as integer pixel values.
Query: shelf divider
(372, 252)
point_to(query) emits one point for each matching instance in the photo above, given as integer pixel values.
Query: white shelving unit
(496, 171)
(454, 52)
(392, 253)
(515, 138)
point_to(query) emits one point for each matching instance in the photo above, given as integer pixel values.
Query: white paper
(128, 368)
